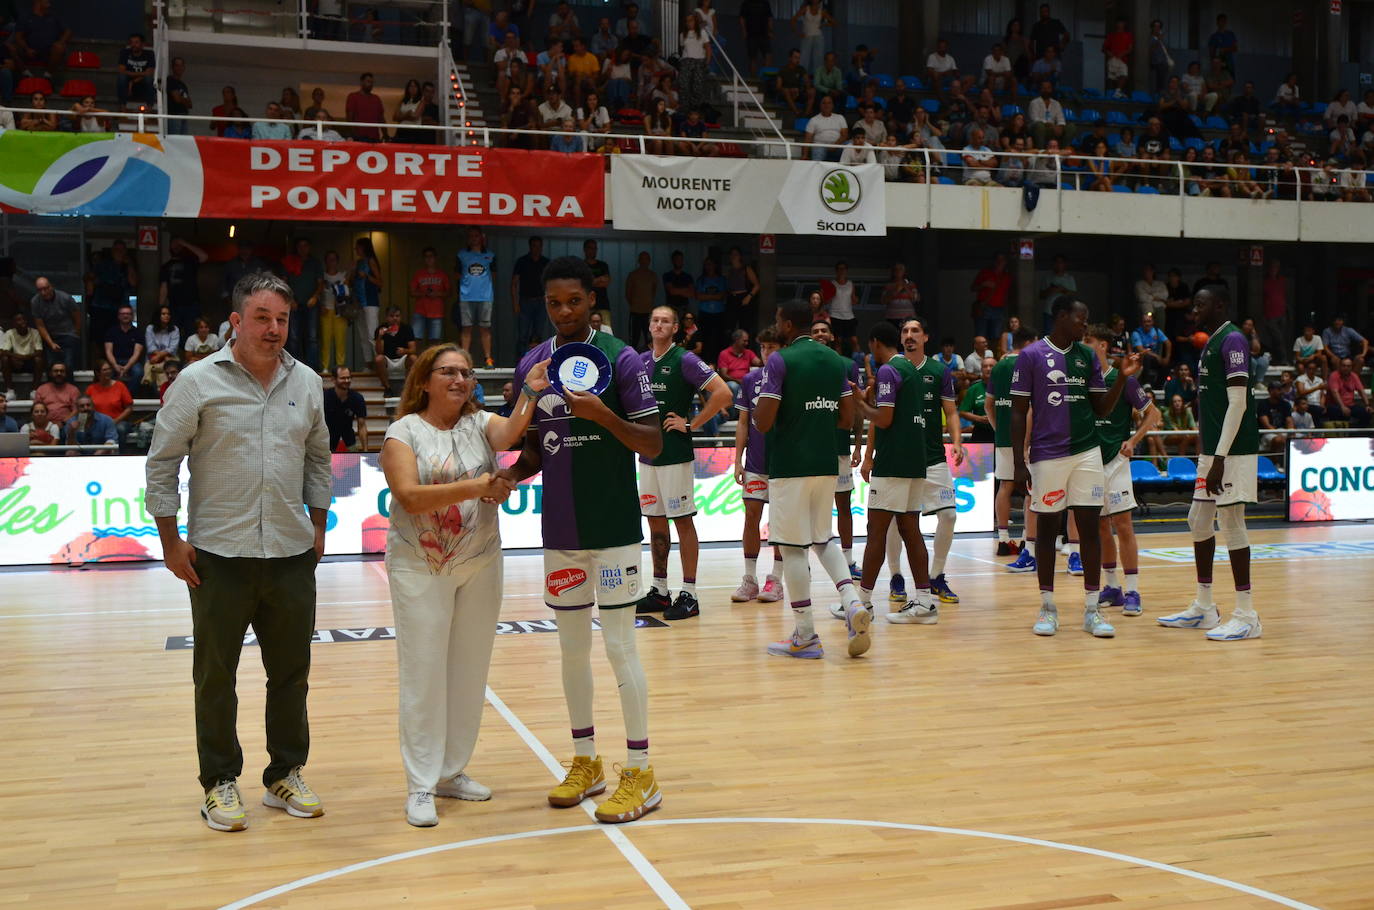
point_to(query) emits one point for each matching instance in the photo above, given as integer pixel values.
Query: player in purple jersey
(848, 444)
(1059, 379)
(585, 445)
(751, 473)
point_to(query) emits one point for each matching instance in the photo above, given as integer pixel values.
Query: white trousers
(444, 635)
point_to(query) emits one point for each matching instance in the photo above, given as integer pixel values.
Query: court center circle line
(846, 822)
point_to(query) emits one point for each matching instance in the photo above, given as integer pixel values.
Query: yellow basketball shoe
(223, 808)
(585, 778)
(294, 795)
(637, 796)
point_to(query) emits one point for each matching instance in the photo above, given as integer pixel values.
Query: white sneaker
(1096, 623)
(420, 809)
(1237, 628)
(839, 612)
(913, 612)
(1195, 617)
(463, 787)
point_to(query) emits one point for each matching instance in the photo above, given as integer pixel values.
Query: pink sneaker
(772, 590)
(747, 591)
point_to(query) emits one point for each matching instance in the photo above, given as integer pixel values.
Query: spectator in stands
(1151, 294)
(1047, 32)
(304, 274)
(710, 296)
(21, 348)
(1259, 357)
(604, 41)
(1018, 49)
(58, 394)
(941, 69)
(317, 110)
(1099, 175)
(363, 106)
(756, 24)
(42, 121)
(201, 343)
(1004, 344)
(1309, 348)
(951, 361)
(1047, 68)
(900, 298)
(162, 339)
(1117, 48)
(136, 68)
(1058, 282)
(57, 317)
(971, 409)
(1178, 416)
(583, 70)
(518, 113)
(1349, 399)
(124, 348)
(554, 110)
(1174, 109)
(1192, 84)
(1341, 140)
(737, 360)
(429, 291)
(926, 130)
(1209, 176)
(1016, 163)
(1223, 44)
(694, 130)
(979, 160)
(228, 104)
(858, 151)
(826, 128)
(592, 117)
(1245, 107)
(874, 129)
(563, 23)
(641, 293)
(1341, 341)
(631, 20)
(618, 76)
(1303, 417)
(1046, 117)
(1211, 277)
(1353, 179)
(1235, 141)
(1154, 348)
(997, 73)
(693, 60)
(111, 398)
(1288, 98)
(41, 428)
(345, 414)
(334, 305)
(598, 324)
(39, 40)
(809, 21)
(89, 427)
(991, 289)
(793, 86)
(1311, 388)
(688, 334)
(1044, 170)
(7, 423)
(272, 128)
(741, 292)
(394, 349)
(407, 112)
(178, 99)
(1161, 64)
(179, 283)
(972, 365)
(527, 297)
(109, 284)
(601, 279)
(1274, 413)
(1216, 88)
(679, 287)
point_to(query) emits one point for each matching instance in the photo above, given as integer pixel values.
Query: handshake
(495, 487)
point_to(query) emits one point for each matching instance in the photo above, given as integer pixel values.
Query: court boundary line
(1207, 878)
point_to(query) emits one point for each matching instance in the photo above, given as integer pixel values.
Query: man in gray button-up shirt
(250, 420)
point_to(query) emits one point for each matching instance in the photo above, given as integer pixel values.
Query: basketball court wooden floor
(964, 765)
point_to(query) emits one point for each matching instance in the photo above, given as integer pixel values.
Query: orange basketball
(1200, 340)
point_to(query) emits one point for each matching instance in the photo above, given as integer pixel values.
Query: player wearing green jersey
(751, 473)
(585, 444)
(897, 482)
(846, 447)
(803, 398)
(998, 405)
(666, 485)
(1227, 470)
(1059, 378)
(1118, 443)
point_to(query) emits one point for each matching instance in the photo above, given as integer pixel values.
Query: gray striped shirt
(258, 457)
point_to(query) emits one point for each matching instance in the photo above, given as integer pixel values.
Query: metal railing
(737, 82)
(295, 19)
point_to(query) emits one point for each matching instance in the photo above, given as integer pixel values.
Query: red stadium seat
(83, 60)
(30, 84)
(78, 88)
(629, 115)
(730, 150)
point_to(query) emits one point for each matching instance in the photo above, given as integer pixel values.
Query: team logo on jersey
(1237, 358)
(1079, 363)
(1052, 497)
(610, 578)
(884, 389)
(563, 580)
(755, 486)
(552, 442)
(1049, 360)
(549, 404)
(1057, 377)
(822, 404)
(1054, 399)
(647, 499)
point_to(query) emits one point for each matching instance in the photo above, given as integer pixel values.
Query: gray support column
(1140, 27)
(910, 26)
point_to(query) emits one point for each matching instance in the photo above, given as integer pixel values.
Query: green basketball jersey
(900, 388)
(937, 383)
(1115, 428)
(675, 378)
(1001, 397)
(809, 380)
(1226, 355)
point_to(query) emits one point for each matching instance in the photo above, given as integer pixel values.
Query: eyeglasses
(451, 372)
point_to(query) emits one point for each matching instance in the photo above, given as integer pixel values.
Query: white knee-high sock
(894, 550)
(832, 560)
(618, 634)
(575, 643)
(796, 575)
(944, 536)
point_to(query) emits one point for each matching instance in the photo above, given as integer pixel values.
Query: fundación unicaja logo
(840, 190)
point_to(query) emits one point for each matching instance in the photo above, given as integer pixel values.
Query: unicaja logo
(840, 190)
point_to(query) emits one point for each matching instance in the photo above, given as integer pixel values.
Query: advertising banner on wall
(732, 195)
(208, 177)
(1330, 478)
(80, 510)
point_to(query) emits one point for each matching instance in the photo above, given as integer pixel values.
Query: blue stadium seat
(1090, 94)
(851, 103)
(1196, 120)
(1268, 471)
(768, 72)
(1147, 191)
(880, 101)
(946, 181)
(1118, 188)
(1067, 186)
(914, 83)
(1112, 139)
(800, 124)
(1065, 93)
(1215, 123)
(1011, 110)
(1182, 470)
(1089, 116)
(1142, 97)
(1175, 145)
(931, 105)
(1144, 472)
(1070, 115)
(883, 80)
(953, 159)
(1193, 142)
(1118, 119)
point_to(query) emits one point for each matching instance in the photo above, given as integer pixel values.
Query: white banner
(746, 196)
(1330, 478)
(91, 509)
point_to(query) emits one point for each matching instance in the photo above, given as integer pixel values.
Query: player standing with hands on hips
(250, 419)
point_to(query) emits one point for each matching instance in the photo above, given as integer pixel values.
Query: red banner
(359, 181)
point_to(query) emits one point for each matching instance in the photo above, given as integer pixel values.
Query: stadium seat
(914, 83)
(1112, 139)
(78, 88)
(1065, 93)
(1117, 118)
(1175, 145)
(947, 181)
(1090, 94)
(880, 101)
(1215, 123)
(883, 80)
(1139, 97)
(1192, 142)
(1144, 472)
(30, 84)
(1268, 471)
(1070, 115)
(1147, 190)
(1011, 110)
(931, 105)
(800, 124)
(1118, 188)
(1089, 116)
(953, 159)
(83, 60)
(1183, 471)
(768, 72)
(1066, 185)
(1196, 120)
(851, 103)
